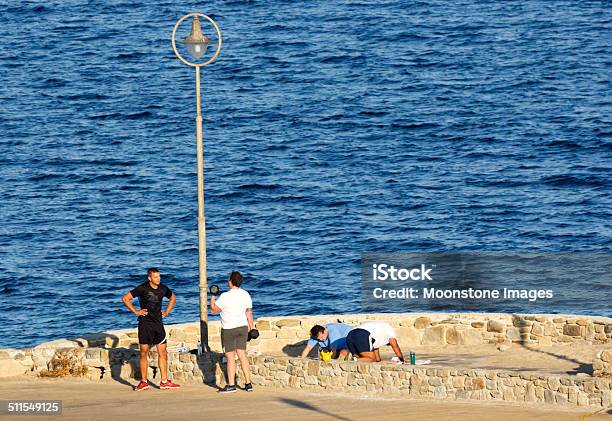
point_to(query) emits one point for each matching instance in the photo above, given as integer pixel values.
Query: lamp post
(196, 44)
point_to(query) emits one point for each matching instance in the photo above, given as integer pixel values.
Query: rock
(583, 399)
(294, 382)
(422, 322)
(470, 336)
(606, 355)
(439, 392)
(537, 329)
(408, 336)
(435, 381)
(313, 368)
(571, 330)
(476, 383)
(60, 343)
(463, 335)
(452, 336)
(553, 383)
(513, 334)
(262, 325)
(410, 323)
(11, 368)
(550, 329)
(288, 333)
(544, 341)
(478, 325)
(311, 380)
(288, 323)
(495, 326)
(549, 396)
(458, 382)
(434, 335)
(503, 347)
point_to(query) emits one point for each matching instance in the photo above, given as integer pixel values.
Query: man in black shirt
(151, 330)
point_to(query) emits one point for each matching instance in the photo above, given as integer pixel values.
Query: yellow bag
(325, 354)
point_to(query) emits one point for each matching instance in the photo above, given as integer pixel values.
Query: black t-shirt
(151, 299)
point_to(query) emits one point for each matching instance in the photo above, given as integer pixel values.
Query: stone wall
(122, 365)
(602, 365)
(277, 334)
(432, 382)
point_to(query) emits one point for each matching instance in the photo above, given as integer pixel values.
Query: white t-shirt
(233, 305)
(381, 332)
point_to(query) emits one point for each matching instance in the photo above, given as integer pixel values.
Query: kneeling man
(365, 341)
(333, 335)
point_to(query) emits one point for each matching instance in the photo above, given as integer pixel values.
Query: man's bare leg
(144, 361)
(231, 368)
(162, 361)
(343, 354)
(369, 357)
(244, 362)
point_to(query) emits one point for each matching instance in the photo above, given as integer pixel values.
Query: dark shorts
(233, 339)
(151, 333)
(358, 341)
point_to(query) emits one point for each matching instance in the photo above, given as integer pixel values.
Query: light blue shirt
(336, 336)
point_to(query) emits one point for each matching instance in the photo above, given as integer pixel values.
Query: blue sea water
(331, 129)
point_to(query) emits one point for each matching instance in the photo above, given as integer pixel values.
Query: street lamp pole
(196, 44)
(201, 222)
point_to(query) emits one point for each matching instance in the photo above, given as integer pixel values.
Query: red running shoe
(143, 385)
(169, 385)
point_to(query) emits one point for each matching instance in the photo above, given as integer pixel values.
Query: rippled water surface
(331, 129)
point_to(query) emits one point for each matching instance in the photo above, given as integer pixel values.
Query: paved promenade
(87, 400)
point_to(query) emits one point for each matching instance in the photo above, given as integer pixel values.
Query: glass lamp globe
(196, 42)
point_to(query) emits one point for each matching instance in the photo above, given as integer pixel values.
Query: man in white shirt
(364, 341)
(235, 307)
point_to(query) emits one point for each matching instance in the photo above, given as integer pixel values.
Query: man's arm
(127, 300)
(170, 305)
(306, 350)
(213, 305)
(249, 316)
(396, 349)
(377, 355)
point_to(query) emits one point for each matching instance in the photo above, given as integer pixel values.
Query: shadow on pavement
(309, 407)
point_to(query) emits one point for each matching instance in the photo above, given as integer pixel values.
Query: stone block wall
(602, 365)
(279, 334)
(424, 329)
(429, 382)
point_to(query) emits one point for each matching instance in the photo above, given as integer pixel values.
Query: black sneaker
(248, 387)
(228, 389)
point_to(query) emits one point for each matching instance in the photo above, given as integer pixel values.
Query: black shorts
(151, 333)
(358, 341)
(233, 339)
